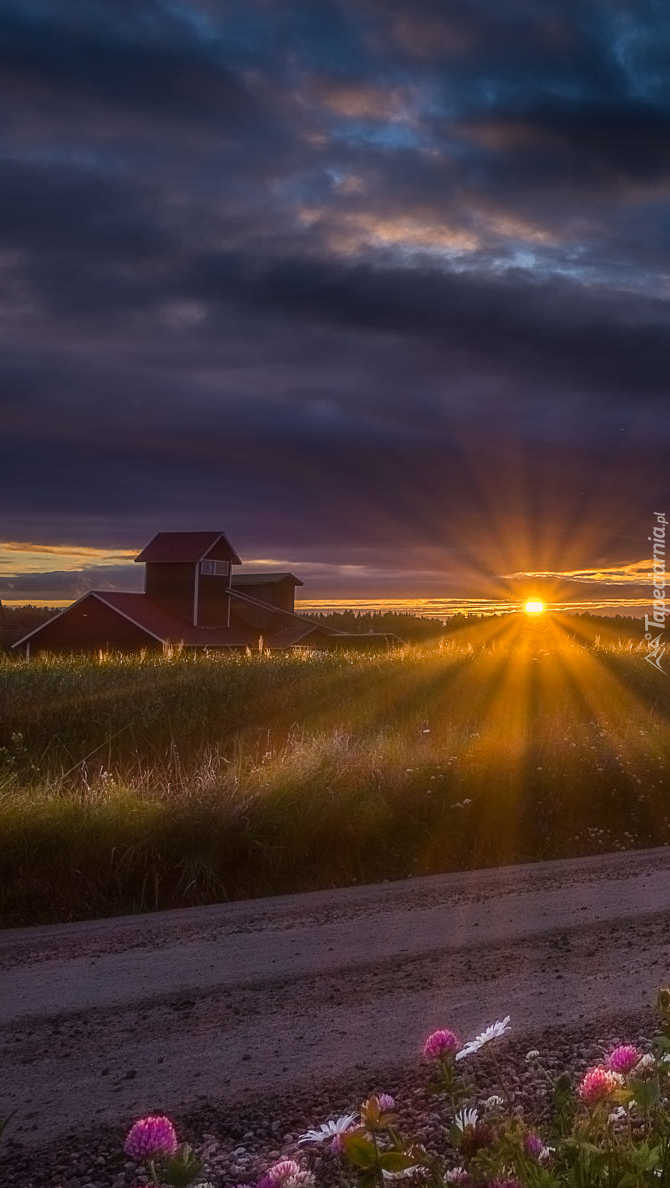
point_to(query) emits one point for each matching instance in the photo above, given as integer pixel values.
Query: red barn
(191, 599)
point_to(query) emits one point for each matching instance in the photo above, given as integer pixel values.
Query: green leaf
(395, 1161)
(646, 1093)
(182, 1169)
(359, 1149)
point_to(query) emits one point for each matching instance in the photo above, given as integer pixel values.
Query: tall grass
(134, 783)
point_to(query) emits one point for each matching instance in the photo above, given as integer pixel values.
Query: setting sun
(534, 606)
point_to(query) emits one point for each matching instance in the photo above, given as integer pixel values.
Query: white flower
(456, 1175)
(493, 1102)
(645, 1063)
(329, 1130)
(494, 1031)
(466, 1117)
(532, 1055)
(617, 1115)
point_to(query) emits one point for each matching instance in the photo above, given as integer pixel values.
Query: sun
(534, 606)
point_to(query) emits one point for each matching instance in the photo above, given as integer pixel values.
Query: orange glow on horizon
(534, 606)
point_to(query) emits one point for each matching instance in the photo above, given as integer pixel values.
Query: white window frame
(215, 568)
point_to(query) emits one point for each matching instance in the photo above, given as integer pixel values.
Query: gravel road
(220, 1006)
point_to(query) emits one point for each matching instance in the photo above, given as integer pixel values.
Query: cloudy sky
(379, 288)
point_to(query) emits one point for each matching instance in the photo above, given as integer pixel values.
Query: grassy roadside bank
(133, 784)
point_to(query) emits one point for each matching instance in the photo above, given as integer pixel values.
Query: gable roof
(285, 616)
(186, 547)
(153, 619)
(158, 623)
(265, 579)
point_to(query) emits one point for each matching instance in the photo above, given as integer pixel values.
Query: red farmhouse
(191, 599)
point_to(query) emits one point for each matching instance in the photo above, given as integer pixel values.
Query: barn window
(215, 568)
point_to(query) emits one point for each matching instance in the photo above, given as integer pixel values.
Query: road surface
(102, 1020)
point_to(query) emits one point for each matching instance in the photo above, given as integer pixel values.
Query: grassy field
(128, 784)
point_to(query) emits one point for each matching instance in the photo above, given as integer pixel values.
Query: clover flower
(330, 1131)
(493, 1102)
(386, 1102)
(286, 1174)
(597, 1084)
(536, 1148)
(457, 1175)
(441, 1043)
(645, 1064)
(492, 1032)
(623, 1058)
(618, 1115)
(152, 1137)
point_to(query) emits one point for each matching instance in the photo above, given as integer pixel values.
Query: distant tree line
(16, 621)
(416, 628)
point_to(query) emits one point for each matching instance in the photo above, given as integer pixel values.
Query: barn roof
(151, 617)
(186, 547)
(265, 579)
(291, 634)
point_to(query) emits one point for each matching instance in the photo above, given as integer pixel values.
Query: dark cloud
(355, 281)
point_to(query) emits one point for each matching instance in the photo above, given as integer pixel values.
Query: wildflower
(374, 1108)
(441, 1043)
(617, 1115)
(536, 1148)
(330, 1131)
(150, 1138)
(493, 1102)
(532, 1055)
(597, 1084)
(474, 1138)
(494, 1031)
(623, 1058)
(286, 1174)
(645, 1065)
(457, 1175)
(467, 1116)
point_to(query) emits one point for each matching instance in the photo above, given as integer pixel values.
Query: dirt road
(102, 1020)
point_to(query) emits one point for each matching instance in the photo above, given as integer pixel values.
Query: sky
(378, 288)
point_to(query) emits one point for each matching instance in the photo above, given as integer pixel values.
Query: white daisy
(467, 1116)
(329, 1130)
(494, 1031)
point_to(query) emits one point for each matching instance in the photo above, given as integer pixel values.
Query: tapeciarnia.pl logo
(654, 624)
